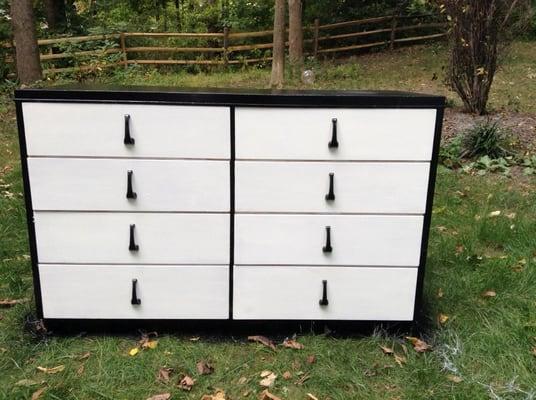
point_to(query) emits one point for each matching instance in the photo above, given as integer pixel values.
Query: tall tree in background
(55, 14)
(295, 33)
(26, 49)
(278, 60)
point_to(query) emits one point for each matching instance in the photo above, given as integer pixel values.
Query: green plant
(450, 154)
(486, 164)
(485, 139)
(529, 163)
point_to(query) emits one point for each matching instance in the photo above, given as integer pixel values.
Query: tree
(295, 32)
(26, 49)
(55, 14)
(479, 30)
(278, 54)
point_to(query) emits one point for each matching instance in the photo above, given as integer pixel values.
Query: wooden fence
(227, 47)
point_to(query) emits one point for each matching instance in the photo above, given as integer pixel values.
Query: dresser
(232, 205)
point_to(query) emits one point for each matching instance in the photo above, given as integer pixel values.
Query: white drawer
(362, 134)
(166, 292)
(101, 184)
(70, 129)
(280, 293)
(359, 187)
(367, 240)
(161, 238)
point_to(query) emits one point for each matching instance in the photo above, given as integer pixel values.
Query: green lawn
(485, 348)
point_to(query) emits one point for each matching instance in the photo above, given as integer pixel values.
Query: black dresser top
(230, 97)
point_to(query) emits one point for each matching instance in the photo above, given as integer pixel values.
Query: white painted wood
(71, 129)
(101, 184)
(360, 187)
(371, 240)
(166, 292)
(353, 293)
(363, 134)
(163, 238)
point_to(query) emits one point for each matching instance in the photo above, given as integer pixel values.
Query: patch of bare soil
(522, 127)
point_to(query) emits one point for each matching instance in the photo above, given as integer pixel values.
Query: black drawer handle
(128, 140)
(135, 301)
(324, 300)
(327, 248)
(131, 194)
(333, 144)
(331, 195)
(132, 245)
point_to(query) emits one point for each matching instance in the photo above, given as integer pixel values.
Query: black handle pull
(331, 195)
(324, 300)
(133, 246)
(128, 140)
(131, 194)
(327, 248)
(333, 144)
(135, 301)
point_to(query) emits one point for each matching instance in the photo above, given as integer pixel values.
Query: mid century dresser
(197, 204)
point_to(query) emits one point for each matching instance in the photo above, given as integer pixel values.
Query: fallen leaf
(26, 382)
(84, 356)
(268, 378)
(134, 351)
(312, 396)
(11, 302)
(146, 342)
(80, 370)
(400, 360)
(488, 293)
(302, 379)
(38, 393)
(494, 214)
(387, 350)
(440, 293)
(218, 395)
(204, 368)
(420, 346)
(442, 318)
(164, 374)
(292, 344)
(53, 370)
(163, 396)
(459, 249)
(511, 215)
(454, 378)
(242, 380)
(266, 395)
(186, 383)
(287, 375)
(263, 340)
(311, 359)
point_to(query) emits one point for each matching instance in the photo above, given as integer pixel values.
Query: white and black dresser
(200, 204)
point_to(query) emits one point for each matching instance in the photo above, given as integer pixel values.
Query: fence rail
(221, 48)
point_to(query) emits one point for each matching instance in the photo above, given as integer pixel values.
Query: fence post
(316, 30)
(394, 22)
(225, 46)
(122, 41)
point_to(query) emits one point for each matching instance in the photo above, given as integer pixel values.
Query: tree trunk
(295, 33)
(55, 14)
(278, 61)
(26, 50)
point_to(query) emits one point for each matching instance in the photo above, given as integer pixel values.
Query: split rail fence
(85, 53)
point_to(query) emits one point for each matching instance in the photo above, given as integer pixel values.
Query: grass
(487, 342)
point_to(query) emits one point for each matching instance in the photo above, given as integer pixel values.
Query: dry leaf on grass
(292, 344)
(80, 370)
(163, 374)
(242, 380)
(266, 395)
(489, 293)
(302, 379)
(454, 378)
(218, 395)
(312, 396)
(386, 350)
(84, 356)
(420, 346)
(311, 359)
(186, 383)
(26, 382)
(263, 340)
(400, 360)
(134, 351)
(146, 342)
(287, 375)
(204, 368)
(163, 396)
(11, 302)
(268, 378)
(38, 393)
(442, 318)
(53, 370)
(494, 214)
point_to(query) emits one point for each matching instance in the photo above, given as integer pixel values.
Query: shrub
(485, 139)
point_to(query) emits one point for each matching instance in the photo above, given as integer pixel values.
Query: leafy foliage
(485, 139)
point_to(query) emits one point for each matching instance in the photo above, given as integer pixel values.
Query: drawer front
(301, 240)
(165, 292)
(357, 187)
(281, 293)
(362, 134)
(156, 238)
(69, 129)
(102, 185)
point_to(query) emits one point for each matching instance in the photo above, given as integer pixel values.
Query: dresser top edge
(230, 97)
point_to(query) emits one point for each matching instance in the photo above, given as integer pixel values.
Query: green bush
(485, 139)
